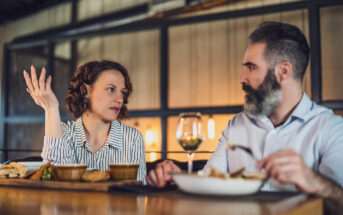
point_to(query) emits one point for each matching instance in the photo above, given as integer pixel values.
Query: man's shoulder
(240, 119)
(241, 116)
(324, 116)
(319, 111)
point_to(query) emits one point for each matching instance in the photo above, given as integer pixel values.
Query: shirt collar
(114, 138)
(303, 108)
(300, 112)
(80, 129)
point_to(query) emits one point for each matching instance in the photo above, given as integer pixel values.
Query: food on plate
(96, 175)
(254, 175)
(37, 175)
(236, 174)
(12, 170)
(48, 173)
(218, 174)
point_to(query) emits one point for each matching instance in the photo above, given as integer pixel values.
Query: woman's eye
(124, 93)
(111, 89)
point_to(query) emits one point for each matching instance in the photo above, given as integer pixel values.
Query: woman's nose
(119, 98)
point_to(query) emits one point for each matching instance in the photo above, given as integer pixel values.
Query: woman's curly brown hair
(77, 103)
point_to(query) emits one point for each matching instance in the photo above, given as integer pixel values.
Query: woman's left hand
(40, 90)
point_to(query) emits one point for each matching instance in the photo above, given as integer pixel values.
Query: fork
(233, 147)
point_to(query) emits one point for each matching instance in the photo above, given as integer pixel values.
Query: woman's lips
(115, 109)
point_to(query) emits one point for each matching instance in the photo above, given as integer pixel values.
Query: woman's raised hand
(40, 90)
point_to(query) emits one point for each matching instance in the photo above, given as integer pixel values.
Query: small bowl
(124, 171)
(70, 172)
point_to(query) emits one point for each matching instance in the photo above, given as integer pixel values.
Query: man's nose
(243, 79)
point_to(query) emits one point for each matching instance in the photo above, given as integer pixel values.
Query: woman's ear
(283, 71)
(85, 90)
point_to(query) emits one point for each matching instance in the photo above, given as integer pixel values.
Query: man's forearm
(327, 188)
(332, 194)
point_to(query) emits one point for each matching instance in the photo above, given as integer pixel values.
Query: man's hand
(159, 176)
(286, 166)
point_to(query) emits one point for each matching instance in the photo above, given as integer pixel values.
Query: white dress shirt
(313, 131)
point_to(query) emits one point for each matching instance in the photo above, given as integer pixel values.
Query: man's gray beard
(266, 107)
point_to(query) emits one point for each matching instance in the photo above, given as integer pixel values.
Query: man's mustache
(248, 88)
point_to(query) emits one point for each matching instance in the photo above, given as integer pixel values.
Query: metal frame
(51, 37)
(22, 12)
(4, 102)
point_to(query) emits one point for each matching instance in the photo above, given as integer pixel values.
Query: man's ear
(283, 71)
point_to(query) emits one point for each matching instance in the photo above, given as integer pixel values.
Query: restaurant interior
(181, 55)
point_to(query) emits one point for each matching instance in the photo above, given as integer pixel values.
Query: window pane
(208, 144)
(331, 22)
(62, 73)
(139, 53)
(2, 156)
(25, 136)
(151, 131)
(206, 59)
(19, 101)
(22, 155)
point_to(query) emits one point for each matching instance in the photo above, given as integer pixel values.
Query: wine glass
(189, 134)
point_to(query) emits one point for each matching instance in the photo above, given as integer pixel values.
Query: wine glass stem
(190, 156)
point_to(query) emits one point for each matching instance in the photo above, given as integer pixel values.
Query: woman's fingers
(28, 81)
(152, 178)
(42, 79)
(48, 83)
(150, 182)
(160, 176)
(34, 78)
(40, 90)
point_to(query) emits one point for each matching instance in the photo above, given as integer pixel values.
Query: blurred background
(182, 55)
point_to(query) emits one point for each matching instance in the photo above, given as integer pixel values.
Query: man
(298, 142)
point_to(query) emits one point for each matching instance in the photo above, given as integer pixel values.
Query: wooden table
(37, 201)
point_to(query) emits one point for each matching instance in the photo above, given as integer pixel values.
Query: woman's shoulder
(128, 130)
(69, 126)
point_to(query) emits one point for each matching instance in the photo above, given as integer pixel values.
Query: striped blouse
(124, 144)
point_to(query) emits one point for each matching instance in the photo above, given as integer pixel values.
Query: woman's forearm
(53, 125)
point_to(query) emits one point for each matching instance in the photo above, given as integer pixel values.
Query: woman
(97, 98)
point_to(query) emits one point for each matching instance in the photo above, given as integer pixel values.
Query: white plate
(216, 186)
(31, 166)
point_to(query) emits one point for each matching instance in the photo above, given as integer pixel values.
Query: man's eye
(251, 67)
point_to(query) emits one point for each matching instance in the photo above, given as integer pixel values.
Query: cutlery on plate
(232, 146)
(237, 173)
